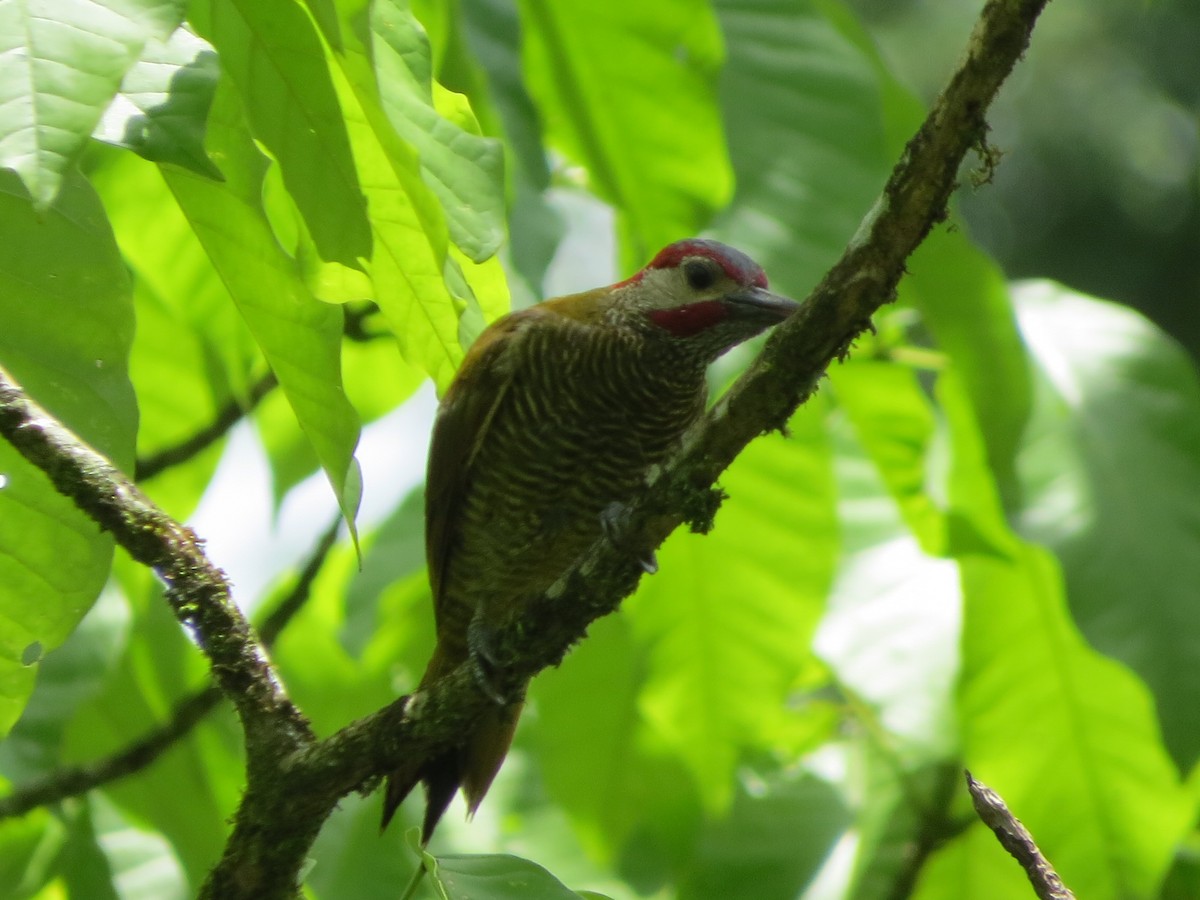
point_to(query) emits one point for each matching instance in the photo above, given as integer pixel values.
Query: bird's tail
(471, 766)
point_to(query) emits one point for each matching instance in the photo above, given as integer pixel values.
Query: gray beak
(759, 303)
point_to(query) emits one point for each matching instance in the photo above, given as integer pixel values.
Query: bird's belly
(526, 523)
(522, 540)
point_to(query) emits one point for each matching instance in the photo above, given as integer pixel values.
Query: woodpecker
(553, 419)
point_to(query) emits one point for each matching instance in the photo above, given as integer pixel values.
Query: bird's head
(701, 296)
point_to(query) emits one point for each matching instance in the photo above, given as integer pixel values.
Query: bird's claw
(613, 520)
(484, 664)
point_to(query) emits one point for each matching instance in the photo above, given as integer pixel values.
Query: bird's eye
(700, 274)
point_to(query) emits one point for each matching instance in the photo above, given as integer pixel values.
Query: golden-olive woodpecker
(552, 421)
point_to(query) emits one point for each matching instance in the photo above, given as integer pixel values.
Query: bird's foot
(614, 518)
(484, 664)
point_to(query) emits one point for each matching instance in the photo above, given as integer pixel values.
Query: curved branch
(197, 591)
(72, 781)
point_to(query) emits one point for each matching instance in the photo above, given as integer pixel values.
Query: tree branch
(72, 781)
(1016, 839)
(227, 416)
(354, 327)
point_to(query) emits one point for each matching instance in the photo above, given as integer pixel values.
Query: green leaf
(69, 677)
(68, 325)
(971, 865)
(273, 55)
(497, 877)
(793, 80)
(589, 754)
(895, 423)
(192, 353)
(773, 841)
(61, 63)
(720, 670)
(161, 109)
(492, 31)
(890, 634)
(1111, 470)
(980, 336)
(1036, 700)
(464, 170)
(354, 859)
(410, 263)
(1047, 721)
(300, 336)
(142, 863)
(627, 89)
(29, 848)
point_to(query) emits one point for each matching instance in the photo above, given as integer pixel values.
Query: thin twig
(1016, 839)
(71, 781)
(354, 327)
(227, 416)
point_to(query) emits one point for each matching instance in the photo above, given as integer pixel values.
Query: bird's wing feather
(462, 423)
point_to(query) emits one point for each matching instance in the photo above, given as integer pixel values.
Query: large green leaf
(272, 53)
(774, 839)
(192, 354)
(68, 325)
(29, 847)
(69, 677)
(729, 618)
(141, 863)
(972, 865)
(965, 305)
(804, 118)
(61, 62)
(300, 336)
(463, 169)
(588, 753)
(411, 259)
(492, 30)
(895, 422)
(628, 89)
(161, 109)
(354, 859)
(1047, 721)
(1054, 726)
(498, 877)
(1111, 470)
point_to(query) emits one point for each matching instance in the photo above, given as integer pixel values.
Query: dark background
(1099, 184)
